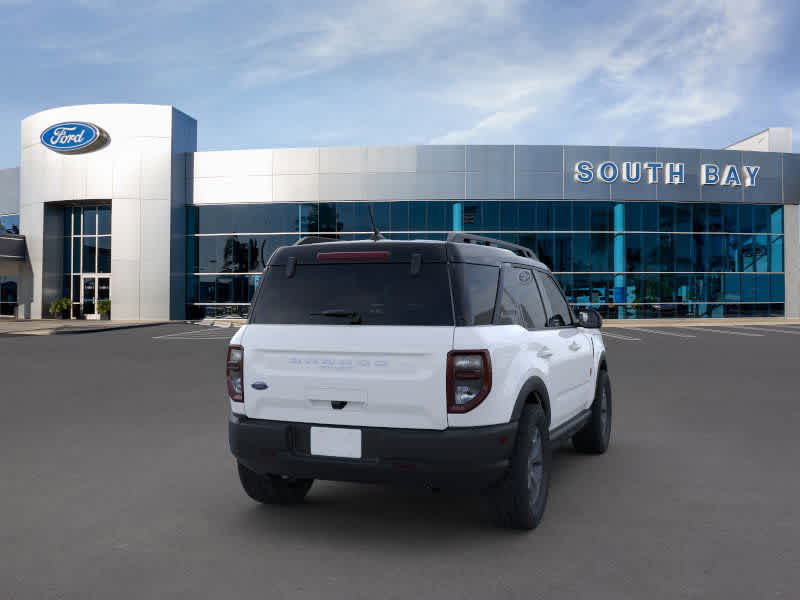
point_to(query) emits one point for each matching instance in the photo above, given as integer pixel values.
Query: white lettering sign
(672, 173)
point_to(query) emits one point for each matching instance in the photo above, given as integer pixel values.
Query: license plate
(333, 441)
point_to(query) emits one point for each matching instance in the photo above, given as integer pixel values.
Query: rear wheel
(273, 489)
(519, 500)
(596, 434)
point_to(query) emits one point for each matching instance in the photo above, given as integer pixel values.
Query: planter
(92, 317)
(105, 316)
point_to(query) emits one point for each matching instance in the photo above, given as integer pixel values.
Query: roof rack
(467, 238)
(314, 239)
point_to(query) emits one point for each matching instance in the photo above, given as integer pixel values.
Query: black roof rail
(314, 239)
(467, 238)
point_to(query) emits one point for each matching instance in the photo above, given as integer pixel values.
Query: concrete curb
(79, 330)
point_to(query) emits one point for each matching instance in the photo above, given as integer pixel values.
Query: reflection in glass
(88, 295)
(691, 261)
(89, 252)
(89, 221)
(104, 254)
(104, 220)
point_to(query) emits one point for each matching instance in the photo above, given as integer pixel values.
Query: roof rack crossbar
(314, 239)
(468, 238)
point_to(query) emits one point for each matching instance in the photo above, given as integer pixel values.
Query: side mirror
(590, 318)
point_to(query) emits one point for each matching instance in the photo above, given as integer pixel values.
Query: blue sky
(259, 74)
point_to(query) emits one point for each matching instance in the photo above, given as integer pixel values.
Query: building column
(620, 287)
(458, 216)
(791, 260)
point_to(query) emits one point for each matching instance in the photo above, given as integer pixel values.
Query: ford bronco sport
(441, 363)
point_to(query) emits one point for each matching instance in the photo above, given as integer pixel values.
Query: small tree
(104, 307)
(59, 307)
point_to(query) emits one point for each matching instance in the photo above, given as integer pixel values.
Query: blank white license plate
(332, 441)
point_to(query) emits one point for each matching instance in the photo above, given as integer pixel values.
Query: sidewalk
(730, 322)
(64, 326)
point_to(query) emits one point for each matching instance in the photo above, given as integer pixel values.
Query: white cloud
(333, 36)
(677, 65)
(496, 123)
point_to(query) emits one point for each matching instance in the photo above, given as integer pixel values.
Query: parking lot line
(197, 334)
(698, 329)
(616, 336)
(659, 332)
(768, 329)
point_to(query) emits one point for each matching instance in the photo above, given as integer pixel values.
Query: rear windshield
(354, 294)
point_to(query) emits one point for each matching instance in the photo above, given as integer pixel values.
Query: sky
(259, 74)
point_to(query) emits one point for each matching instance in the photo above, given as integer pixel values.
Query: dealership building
(113, 202)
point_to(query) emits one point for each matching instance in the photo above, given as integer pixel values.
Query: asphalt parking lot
(116, 482)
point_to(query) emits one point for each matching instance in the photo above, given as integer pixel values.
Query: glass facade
(8, 296)
(629, 260)
(9, 224)
(87, 257)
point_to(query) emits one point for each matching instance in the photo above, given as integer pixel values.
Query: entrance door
(93, 290)
(88, 295)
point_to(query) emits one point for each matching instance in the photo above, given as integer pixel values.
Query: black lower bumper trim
(456, 457)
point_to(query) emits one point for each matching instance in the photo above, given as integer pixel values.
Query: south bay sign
(666, 172)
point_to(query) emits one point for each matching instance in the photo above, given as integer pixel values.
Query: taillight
(234, 373)
(469, 379)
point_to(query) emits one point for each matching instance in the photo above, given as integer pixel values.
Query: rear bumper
(462, 457)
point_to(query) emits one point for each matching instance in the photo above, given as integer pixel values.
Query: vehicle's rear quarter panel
(514, 361)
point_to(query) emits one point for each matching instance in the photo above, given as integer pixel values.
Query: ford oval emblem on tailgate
(259, 385)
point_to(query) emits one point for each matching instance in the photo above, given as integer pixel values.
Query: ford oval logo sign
(74, 137)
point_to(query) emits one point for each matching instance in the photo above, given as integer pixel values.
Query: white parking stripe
(659, 332)
(615, 336)
(699, 329)
(197, 338)
(769, 329)
(197, 334)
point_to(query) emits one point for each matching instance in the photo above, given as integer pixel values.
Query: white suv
(442, 363)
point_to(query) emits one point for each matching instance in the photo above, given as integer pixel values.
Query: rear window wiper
(355, 317)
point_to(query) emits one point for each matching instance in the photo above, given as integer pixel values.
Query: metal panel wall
(9, 191)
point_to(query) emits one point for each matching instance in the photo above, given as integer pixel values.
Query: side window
(520, 302)
(557, 308)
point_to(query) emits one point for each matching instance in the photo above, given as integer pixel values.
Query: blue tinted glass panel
(776, 219)
(650, 217)
(104, 220)
(104, 254)
(399, 216)
(748, 288)
(775, 253)
(700, 217)
(9, 224)
(89, 221)
(89, 253)
(777, 288)
(714, 217)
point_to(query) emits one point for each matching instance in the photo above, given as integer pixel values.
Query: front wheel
(596, 434)
(519, 500)
(273, 489)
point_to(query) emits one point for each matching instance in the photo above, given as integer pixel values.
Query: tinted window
(475, 291)
(520, 302)
(366, 294)
(557, 306)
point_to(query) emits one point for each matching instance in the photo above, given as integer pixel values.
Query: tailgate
(357, 375)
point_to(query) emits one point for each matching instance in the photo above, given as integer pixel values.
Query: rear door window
(520, 301)
(354, 294)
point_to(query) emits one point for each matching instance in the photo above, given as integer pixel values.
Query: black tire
(519, 500)
(273, 489)
(596, 434)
